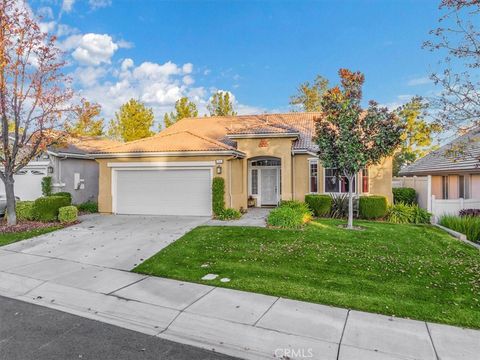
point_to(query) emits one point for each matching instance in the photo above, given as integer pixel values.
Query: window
(313, 176)
(444, 187)
(254, 182)
(336, 183)
(461, 186)
(266, 162)
(467, 187)
(365, 183)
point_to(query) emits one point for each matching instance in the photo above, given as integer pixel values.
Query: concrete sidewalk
(236, 323)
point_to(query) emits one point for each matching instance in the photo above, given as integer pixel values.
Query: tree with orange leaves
(351, 138)
(34, 94)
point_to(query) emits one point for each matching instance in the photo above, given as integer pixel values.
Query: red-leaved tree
(34, 94)
(350, 138)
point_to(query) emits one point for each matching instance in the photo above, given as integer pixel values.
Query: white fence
(419, 183)
(452, 206)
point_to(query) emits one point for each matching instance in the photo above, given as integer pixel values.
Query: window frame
(355, 182)
(363, 181)
(310, 163)
(445, 185)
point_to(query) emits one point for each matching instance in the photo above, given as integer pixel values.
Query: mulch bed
(29, 226)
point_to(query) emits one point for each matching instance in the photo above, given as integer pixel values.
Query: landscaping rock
(224, 280)
(210, 277)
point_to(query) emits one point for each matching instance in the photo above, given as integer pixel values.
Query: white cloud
(156, 71)
(419, 81)
(89, 76)
(187, 68)
(67, 5)
(47, 27)
(188, 80)
(96, 4)
(93, 49)
(126, 64)
(45, 12)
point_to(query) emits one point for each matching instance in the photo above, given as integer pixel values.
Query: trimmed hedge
(47, 186)
(24, 210)
(65, 194)
(404, 195)
(290, 215)
(68, 214)
(46, 208)
(88, 206)
(372, 207)
(218, 195)
(321, 205)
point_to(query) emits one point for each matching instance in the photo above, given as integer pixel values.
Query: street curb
(459, 236)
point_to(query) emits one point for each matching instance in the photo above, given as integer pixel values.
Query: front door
(269, 189)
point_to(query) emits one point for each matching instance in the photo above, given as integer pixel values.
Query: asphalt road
(32, 332)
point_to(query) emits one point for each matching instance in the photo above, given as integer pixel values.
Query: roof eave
(167, 153)
(265, 135)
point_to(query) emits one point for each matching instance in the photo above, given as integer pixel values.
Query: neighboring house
(267, 158)
(70, 167)
(453, 174)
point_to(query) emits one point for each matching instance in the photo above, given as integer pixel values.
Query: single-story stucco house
(452, 175)
(263, 159)
(71, 167)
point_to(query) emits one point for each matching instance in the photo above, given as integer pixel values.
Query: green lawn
(414, 271)
(9, 238)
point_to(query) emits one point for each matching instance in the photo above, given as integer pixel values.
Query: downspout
(293, 176)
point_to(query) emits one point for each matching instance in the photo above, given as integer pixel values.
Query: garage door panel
(163, 192)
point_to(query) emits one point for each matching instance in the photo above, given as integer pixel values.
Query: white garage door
(163, 192)
(28, 183)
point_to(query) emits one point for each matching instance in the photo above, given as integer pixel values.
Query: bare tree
(34, 94)
(458, 40)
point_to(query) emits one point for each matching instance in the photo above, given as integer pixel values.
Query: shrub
(290, 215)
(372, 207)
(340, 206)
(400, 214)
(65, 194)
(468, 225)
(47, 186)
(46, 208)
(321, 205)
(421, 216)
(68, 214)
(229, 214)
(404, 195)
(218, 195)
(407, 214)
(88, 206)
(469, 212)
(24, 210)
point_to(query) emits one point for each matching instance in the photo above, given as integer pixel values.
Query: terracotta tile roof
(212, 133)
(84, 145)
(172, 142)
(441, 160)
(219, 127)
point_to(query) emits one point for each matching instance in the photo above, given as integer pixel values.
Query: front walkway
(253, 217)
(237, 323)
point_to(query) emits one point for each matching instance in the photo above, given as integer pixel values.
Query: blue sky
(258, 50)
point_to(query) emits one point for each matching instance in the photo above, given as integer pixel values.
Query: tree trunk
(9, 191)
(350, 202)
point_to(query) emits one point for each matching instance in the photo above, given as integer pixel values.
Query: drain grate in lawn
(413, 271)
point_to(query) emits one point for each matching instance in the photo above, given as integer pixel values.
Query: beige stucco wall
(295, 172)
(381, 179)
(475, 186)
(105, 175)
(273, 147)
(437, 187)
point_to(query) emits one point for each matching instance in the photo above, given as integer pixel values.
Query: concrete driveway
(118, 242)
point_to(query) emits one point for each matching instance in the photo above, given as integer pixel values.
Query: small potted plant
(251, 201)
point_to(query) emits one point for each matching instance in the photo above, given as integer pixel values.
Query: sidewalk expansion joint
(266, 311)
(431, 340)
(125, 286)
(343, 332)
